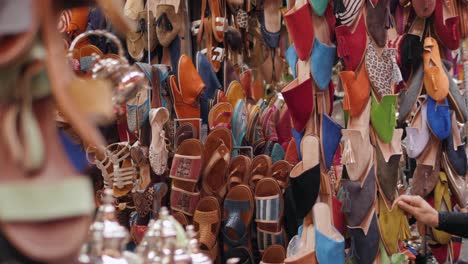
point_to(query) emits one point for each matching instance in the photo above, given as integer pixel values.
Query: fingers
(407, 207)
(413, 200)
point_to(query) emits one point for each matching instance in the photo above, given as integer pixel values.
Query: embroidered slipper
(269, 207)
(388, 164)
(42, 177)
(144, 175)
(207, 222)
(239, 171)
(261, 168)
(239, 123)
(299, 22)
(438, 118)
(220, 116)
(383, 116)
(359, 198)
(271, 23)
(417, 133)
(187, 165)
(408, 98)
(329, 242)
(183, 132)
(378, 21)
(274, 254)
(446, 24)
(356, 90)
(393, 225)
(237, 216)
(305, 177)
(280, 171)
(138, 111)
(124, 171)
(158, 153)
(351, 39)
(435, 80)
(218, 148)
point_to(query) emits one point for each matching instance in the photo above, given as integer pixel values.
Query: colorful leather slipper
(306, 253)
(218, 148)
(135, 45)
(269, 206)
(239, 123)
(392, 259)
(186, 165)
(207, 222)
(425, 178)
(322, 60)
(351, 40)
(137, 111)
(231, 74)
(284, 127)
(357, 89)
(393, 226)
(456, 182)
(239, 171)
(169, 24)
(280, 171)
(442, 203)
(158, 153)
(379, 20)
(237, 216)
(446, 24)
(383, 116)
(411, 47)
(365, 247)
(271, 22)
(408, 98)
(217, 19)
(146, 18)
(455, 150)
(234, 93)
(359, 198)
(438, 118)
(294, 93)
(417, 133)
(319, 7)
(211, 81)
(291, 154)
(349, 11)
(254, 136)
(183, 132)
(329, 243)
(456, 99)
(125, 173)
(424, 8)
(261, 168)
(388, 164)
(292, 58)
(220, 116)
(181, 218)
(299, 22)
(381, 69)
(330, 137)
(435, 80)
(274, 254)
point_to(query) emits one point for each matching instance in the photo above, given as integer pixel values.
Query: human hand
(420, 209)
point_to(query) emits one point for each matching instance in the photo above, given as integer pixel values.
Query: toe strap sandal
(261, 168)
(239, 170)
(187, 164)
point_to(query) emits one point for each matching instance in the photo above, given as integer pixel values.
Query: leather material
(330, 136)
(457, 102)
(393, 226)
(299, 98)
(272, 39)
(383, 116)
(291, 59)
(329, 250)
(393, 259)
(319, 7)
(425, 178)
(417, 134)
(380, 69)
(388, 165)
(239, 123)
(441, 202)
(379, 20)
(435, 80)
(301, 30)
(277, 153)
(297, 140)
(211, 81)
(165, 16)
(423, 8)
(357, 88)
(220, 116)
(352, 43)
(235, 92)
(447, 31)
(322, 60)
(457, 183)
(456, 155)
(365, 247)
(360, 147)
(230, 75)
(359, 198)
(305, 188)
(438, 117)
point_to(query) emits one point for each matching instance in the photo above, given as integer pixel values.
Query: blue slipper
(438, 118)
(291, 59)
(330, 137)
(298, 138)
(321, 62)
(239, 123)
(212, 83)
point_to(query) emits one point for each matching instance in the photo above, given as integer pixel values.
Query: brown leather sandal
(207, 221)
